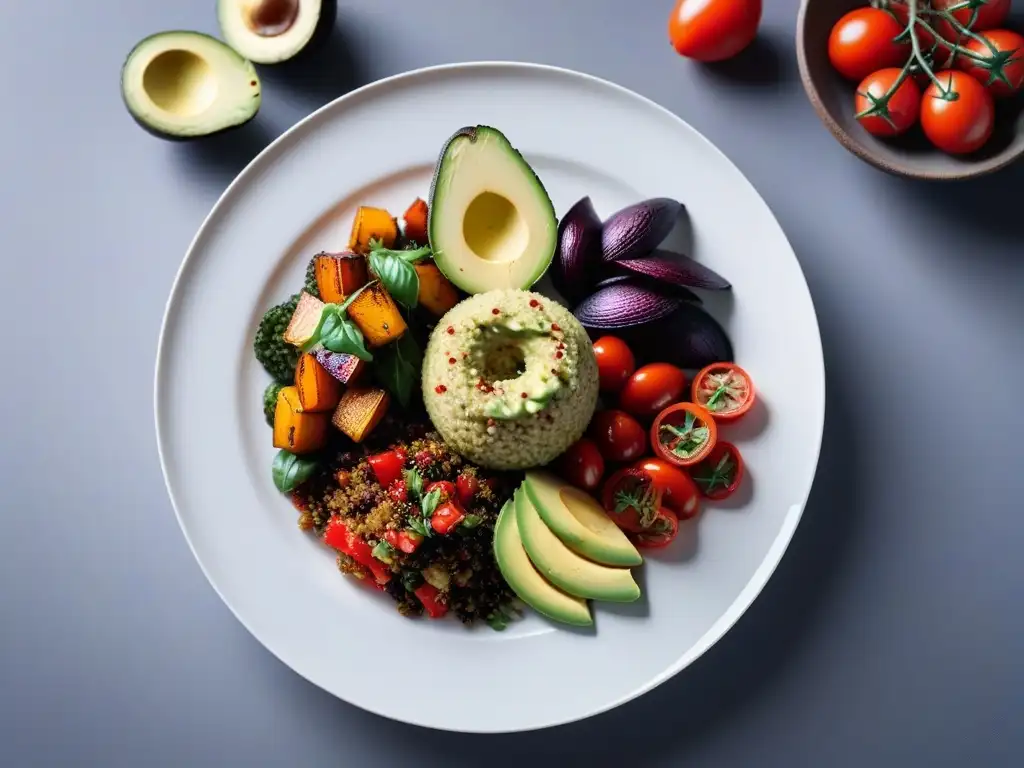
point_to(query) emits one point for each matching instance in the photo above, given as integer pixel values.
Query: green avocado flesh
(579, 521)
(565, 568)
(272, 31)
(491, 222)
(186, 84)
(532, 588)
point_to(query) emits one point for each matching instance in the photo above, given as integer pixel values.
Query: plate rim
(779, 546)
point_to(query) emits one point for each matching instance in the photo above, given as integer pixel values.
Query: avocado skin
(165, 135)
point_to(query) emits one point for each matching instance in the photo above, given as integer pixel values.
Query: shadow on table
(743, 666)
(218, 159)
(764, 63)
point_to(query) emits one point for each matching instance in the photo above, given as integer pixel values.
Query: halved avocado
(563, 567)
(532, 588)
(272, 31)
(182, 85)
(491, 223)
(579, 521)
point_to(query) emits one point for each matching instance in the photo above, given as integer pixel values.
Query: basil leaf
(398, 277)
(413, 256)
(430, 502)
(472, 521)
(290, 471)
(413, 482)
(398, 368)
(342, 335)
(327, 315)
(384, 552)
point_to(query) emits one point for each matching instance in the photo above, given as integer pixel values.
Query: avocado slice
(579, 521)
(272, 31)
(532, 588)
(182, 85)
(491, 223)
(563, 567)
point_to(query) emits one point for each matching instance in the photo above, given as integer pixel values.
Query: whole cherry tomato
(713, 30)
(661, 533)
(680, 493)
(652, 388)
(987, 16)
(615, 363)
(582, 465)
(864, 40)
(1002, 72)
(885, 108)
(959, 117)
(618, 436)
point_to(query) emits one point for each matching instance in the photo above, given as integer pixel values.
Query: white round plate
(377, 146)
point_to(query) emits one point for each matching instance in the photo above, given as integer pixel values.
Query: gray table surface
(891, 634)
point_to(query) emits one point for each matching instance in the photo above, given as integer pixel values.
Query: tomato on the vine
(680, 493)
(615, 363)
(864, 40)
(651, 388)
(957, 117)
(887, 102)
(661, 533)
(987, 14)
(1002, 70)
(618, 436)
(582, 465)
(713, 30)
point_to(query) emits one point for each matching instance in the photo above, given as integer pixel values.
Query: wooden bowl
(909, 155)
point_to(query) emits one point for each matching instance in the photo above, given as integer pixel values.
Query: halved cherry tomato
(725, 390)
(466, 487)
(661, 533)
(713, 30)
(615, 363)
(582, 465)
(618, 436)
(405, 541)
(680, 493)
(1002, 71)
(631, 499)
(864, 40)
(683, 434)
(885, 108)
(387, 466)
(720, 474)
(433, 603)
(652, 388)
(960, 117)
(338, 536)
(446, 517)
(446, 488)
(989, 15)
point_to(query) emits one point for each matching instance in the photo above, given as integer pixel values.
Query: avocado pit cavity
(180, 82)
(493, 228)
(270, 18)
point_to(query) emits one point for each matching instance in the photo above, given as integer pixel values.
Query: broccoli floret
(274, 353)
(311, 286)
(270, 400)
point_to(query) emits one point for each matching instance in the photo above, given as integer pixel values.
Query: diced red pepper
(432, 604)
(338, 536)
(446, 517)
(406, 541)
(388, 466)
(446, 487)
(466, 488)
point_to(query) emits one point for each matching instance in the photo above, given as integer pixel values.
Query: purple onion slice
(623, 304)
(689, 338)
(579, 251)
(677, 269)
(643, 281)
(637, 230)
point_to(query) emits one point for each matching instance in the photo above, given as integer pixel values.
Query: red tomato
(683, 434)
(962, 121)
(618, 436)
(406, 541)
(445, 487)
(720, 474)
(863, 41)
(582, 465)
(725, 390)
(652, 388)
(662, 533)
(631, 499)
(713, 30)
(446, 517)
(466, 487)
(680, 493)
(884, 111)
(988, 16)
(615, 363)
(387, 466)
(1003, 71)
(434, 603)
